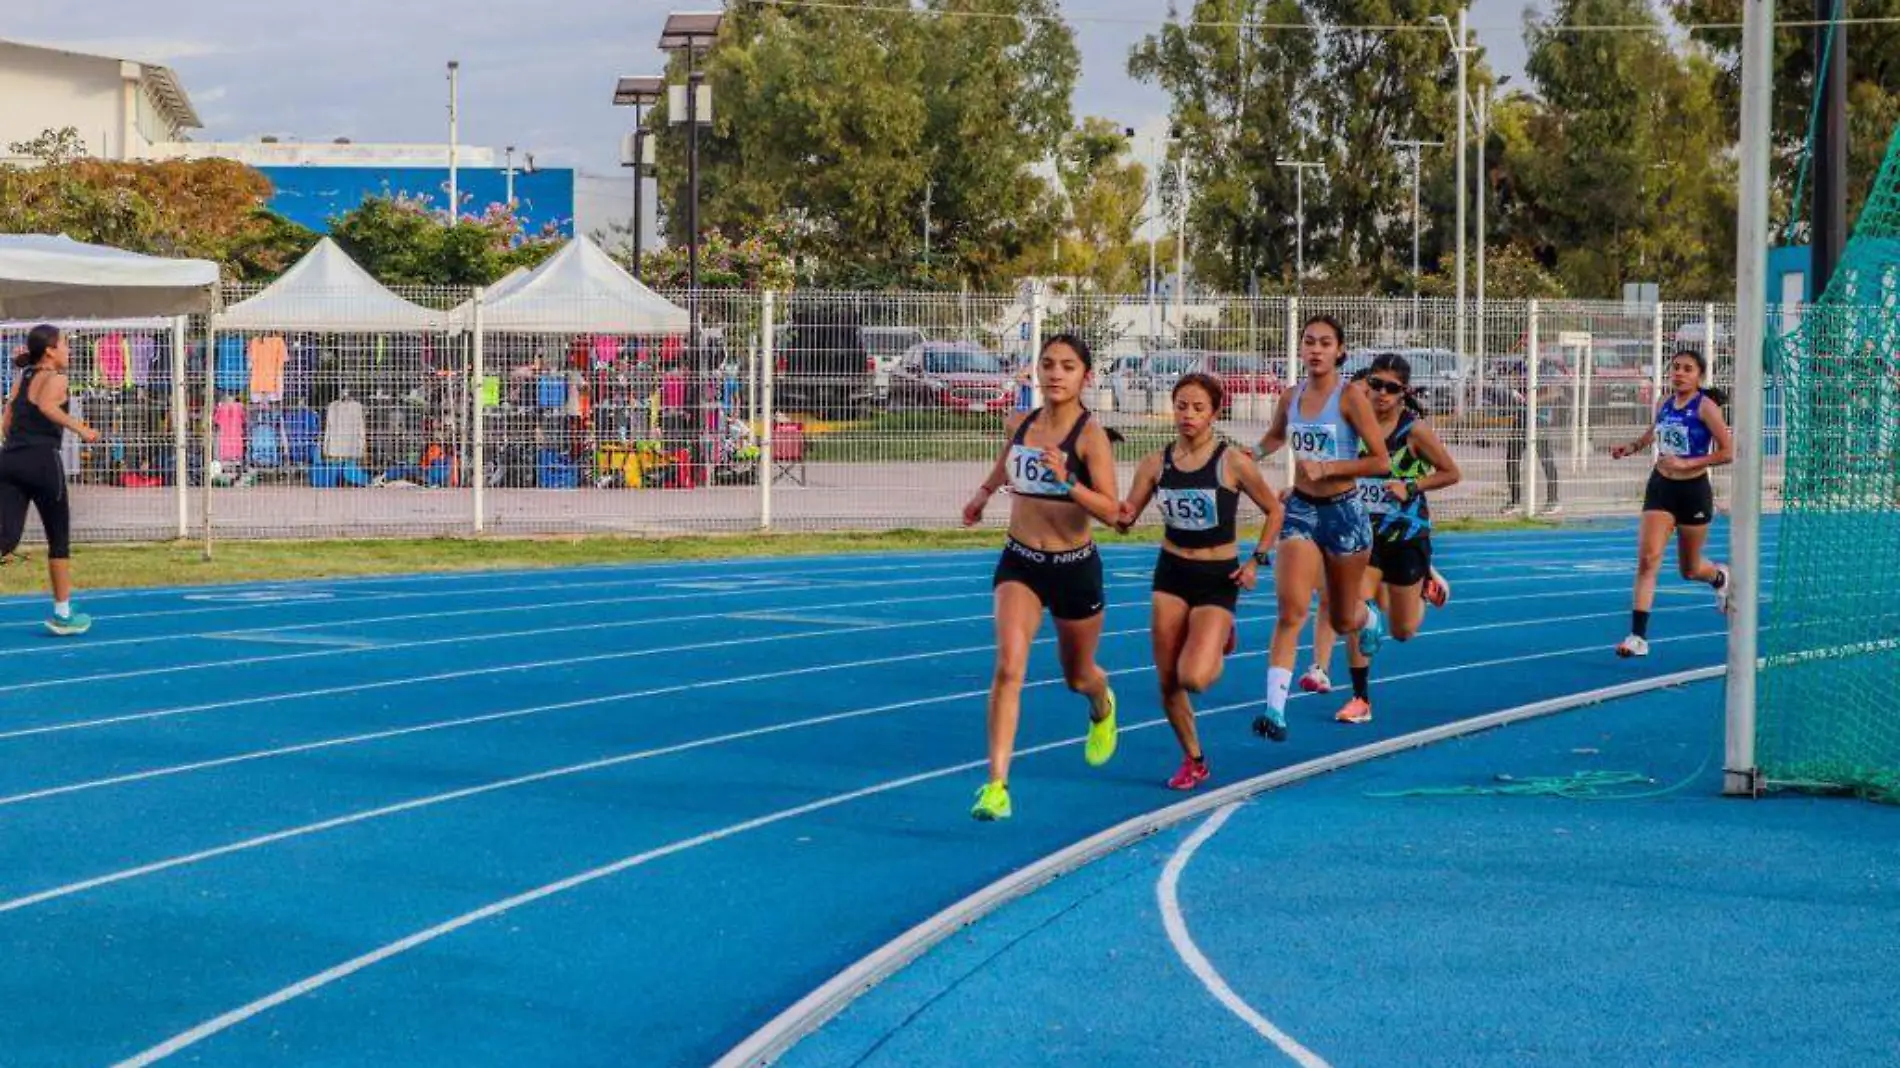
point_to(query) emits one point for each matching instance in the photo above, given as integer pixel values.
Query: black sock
(1720, 580)
(1362, 683)
(1202, 759)
(1639, 623)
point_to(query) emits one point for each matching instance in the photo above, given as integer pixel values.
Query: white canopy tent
(328, 292)
(51, 276)
(506, 284)
(580, 289)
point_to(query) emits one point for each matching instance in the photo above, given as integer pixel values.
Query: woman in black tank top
(32, 425)
(1198, 575)
(1060, 471)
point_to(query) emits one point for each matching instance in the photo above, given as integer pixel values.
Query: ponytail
(38, 341)
(1716, 394)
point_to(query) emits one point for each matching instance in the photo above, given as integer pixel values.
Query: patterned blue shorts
(1340, 525)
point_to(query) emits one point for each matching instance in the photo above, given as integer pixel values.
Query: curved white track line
(1167, 894)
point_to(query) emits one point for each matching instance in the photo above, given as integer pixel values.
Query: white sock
(62, 609)
(1279, 681)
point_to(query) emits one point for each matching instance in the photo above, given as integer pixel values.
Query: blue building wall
(1784, 261)
(312, 196)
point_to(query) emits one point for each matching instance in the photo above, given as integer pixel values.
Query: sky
(537, 74)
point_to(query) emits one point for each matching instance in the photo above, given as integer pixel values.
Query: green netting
(1829, 711)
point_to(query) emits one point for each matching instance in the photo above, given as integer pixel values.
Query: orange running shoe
(1357, 710)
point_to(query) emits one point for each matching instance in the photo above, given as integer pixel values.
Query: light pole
(691, 33)
(508, 154)
(1300, 168)
(1180, 236)
(455, 196)
(1460, 48)
(1417, 149)
(639, 93)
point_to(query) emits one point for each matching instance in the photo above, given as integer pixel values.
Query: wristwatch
(1263, 557)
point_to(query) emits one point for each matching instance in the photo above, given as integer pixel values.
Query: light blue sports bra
(1327, 436)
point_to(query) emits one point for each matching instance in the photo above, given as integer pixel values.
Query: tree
(1243, 99)
(1103, 193)
(761, 260)
(842, 122)
(401, 241)
(207, 209)
(1619, 168)
(1873, 95)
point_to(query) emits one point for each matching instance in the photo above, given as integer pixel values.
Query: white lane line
(411, 680)
(607, 762)
(243, 1013)
(266, 638)
(484, 610)
(458, 639)
(1167, 894)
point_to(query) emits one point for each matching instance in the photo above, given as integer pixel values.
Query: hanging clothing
(268, 356)
(230, 370)
(109, 355)
(228, 418)
(144, 355)
(345, 434)
(302, 428)
(606, 351)
(265, 447)
(300, 371)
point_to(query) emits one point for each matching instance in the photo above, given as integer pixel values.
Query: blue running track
(615, 815)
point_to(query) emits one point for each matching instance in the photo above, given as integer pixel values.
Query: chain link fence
(347, 414)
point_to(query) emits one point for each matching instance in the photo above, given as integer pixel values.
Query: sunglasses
(1386, 386)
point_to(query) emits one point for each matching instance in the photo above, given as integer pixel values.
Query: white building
(121, 107)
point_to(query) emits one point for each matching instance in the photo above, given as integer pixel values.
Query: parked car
(1160, 370)
(1437, 374)
(957, 375)
(887, 345)
(1622, 376)
(823, 366)
(1122, 376)
(1244, 374)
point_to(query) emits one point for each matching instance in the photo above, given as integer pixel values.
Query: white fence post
(206, 426)
(1292, 368)
(1529, 454)
(1035, 341)
(1708, 340)
(479, 433)
(768, 303)
(1656, 361)
(181, 415)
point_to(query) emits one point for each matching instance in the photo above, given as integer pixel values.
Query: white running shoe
(1722, 591)
(1437, 591)
(1315, 681)
(1632, 646)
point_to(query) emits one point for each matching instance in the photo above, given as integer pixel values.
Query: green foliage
(1620, 165)
(762, 260)
(1243, 100)
(401, 241)
(1873, 94)
(842, 121)
(206, 209)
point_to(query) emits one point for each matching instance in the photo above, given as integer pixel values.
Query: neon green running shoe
(992, 803)
(1102, 734)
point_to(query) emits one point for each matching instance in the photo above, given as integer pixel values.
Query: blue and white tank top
(1327, 436)
(1681, 432)
(1029, 476)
